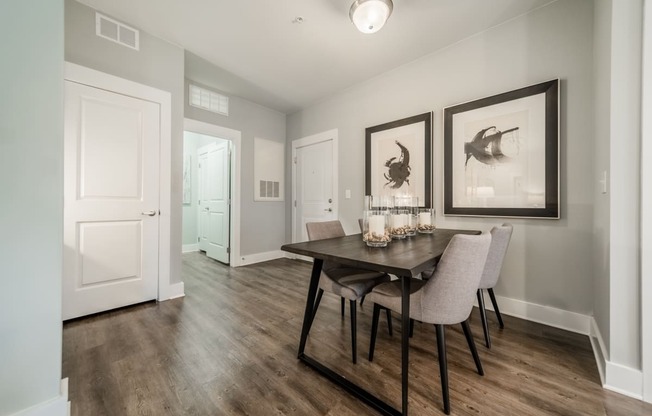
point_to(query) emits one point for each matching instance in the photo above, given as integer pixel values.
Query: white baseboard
(615, 377)
(59, 406)
(172, 291)
(248, 259)
(189, 248)
(547, 315)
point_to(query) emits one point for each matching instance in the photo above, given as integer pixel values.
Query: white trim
(58, 406)
(307, 141)
(624, 380)
(96, 79)
(234, 136)
(189, 248)
(248, 259)
(646, 207)
(547, 315)
(174, 291)
(599, 350)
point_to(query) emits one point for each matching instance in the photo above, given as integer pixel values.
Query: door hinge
(295, 203)
(228, 250)
(295, 160)
(198, 239)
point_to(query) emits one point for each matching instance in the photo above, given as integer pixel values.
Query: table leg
(310, 303)
(405, 339)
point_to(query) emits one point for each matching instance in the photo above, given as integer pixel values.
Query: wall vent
(269, 189)
(208, 100)
(110, 29)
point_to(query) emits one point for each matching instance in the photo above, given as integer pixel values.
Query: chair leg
(493, 301)
(374, 331)
(471, 342)
(362, 300)
(483, 317)
(343, 302)
(388, 313)
(443, 367)
(354, 343)
(411, 328)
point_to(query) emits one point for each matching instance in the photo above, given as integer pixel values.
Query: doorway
(314, 181)
(211, 191)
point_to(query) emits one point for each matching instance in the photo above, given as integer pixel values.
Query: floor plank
(229, 348)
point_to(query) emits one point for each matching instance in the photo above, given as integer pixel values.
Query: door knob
(149, 213)
(329, 209)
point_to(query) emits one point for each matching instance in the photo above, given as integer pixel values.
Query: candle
(424, 218)
(377, 224)
(399, 220)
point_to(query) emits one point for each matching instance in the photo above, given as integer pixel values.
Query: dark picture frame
(501, 154)
(387, 148)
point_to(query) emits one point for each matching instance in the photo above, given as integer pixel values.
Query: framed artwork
(398, 159)
(501, 154)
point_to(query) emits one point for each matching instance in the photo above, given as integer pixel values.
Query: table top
(407, 257)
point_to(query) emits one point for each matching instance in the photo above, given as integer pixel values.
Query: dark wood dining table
(405, 259)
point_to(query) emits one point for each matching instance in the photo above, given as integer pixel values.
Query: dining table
(405, 259)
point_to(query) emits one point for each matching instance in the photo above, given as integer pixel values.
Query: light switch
(347, 194)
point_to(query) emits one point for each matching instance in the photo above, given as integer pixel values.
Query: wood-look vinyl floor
(229, 348)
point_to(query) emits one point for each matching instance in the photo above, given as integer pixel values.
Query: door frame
(646, 207)
(307, 141)
(96, 79)
(235, 137)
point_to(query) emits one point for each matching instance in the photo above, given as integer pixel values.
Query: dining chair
(444, 299)
(500, 236)
(347, 282)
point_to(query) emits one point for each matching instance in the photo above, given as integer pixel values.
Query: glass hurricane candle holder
(426, 221)
(375, 228)
(411, 205)
(399, 223)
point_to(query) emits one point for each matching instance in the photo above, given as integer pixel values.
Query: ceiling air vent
(209, 100)
(117, 32)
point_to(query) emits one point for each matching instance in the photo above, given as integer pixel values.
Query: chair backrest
(323, 230)
(500, 236)
(448, 295)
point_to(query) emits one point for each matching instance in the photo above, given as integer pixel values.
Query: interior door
(215, 200)
(111, 200)
(314, 185)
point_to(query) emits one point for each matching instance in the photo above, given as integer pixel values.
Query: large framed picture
(398, 159)
(501, 154)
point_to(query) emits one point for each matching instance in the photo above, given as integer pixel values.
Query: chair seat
(351, 283)
(389, 295)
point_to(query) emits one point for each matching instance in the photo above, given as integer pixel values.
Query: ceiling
(265, 57)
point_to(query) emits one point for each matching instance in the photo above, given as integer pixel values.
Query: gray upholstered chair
(500, 237)
(347, 282)
(444, 299)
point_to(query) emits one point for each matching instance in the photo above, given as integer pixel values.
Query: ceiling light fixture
(369, 16)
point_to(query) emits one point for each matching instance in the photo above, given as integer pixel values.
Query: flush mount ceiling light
(369, 16)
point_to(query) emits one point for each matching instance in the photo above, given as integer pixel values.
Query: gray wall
(262, 224)
(158, 64)
(602, 105)
(549, 261)
(31, 163)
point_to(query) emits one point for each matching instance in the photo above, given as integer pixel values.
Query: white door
(111, 200)
(214, 194)
(314, 186)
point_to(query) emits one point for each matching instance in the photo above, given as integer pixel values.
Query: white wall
(31, 206)
(549, 261)
(158, 64)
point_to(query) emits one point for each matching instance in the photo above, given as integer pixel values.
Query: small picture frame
(501, 154)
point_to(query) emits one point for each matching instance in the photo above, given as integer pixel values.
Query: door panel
(214, 211)
(111, 200)
(314, 185)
